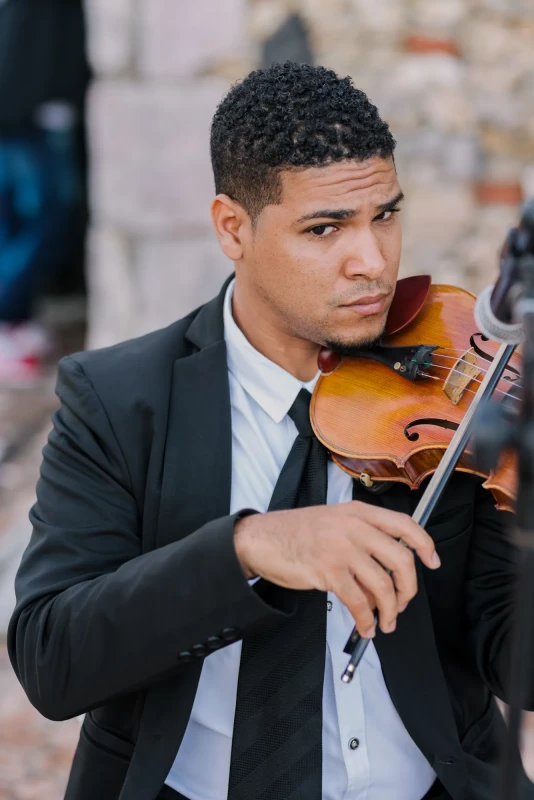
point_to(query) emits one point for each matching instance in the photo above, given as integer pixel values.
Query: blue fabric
(39, 198)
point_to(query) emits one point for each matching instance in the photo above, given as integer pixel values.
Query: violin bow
(356, 644)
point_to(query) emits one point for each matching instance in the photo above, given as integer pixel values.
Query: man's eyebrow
(329, 213)
(390, 205)
(349, 213)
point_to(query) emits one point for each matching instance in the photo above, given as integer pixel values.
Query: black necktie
(277, 739)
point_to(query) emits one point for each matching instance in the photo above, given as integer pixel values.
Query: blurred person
(43, 78)
(197, 562)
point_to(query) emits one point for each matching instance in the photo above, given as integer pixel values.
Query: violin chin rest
(410, 297)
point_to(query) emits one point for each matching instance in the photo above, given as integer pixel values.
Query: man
(148, 564)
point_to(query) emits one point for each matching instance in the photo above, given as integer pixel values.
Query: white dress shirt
(367, 752)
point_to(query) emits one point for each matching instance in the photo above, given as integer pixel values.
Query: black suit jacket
(131, 575)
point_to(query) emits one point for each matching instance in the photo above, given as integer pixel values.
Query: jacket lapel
(414, 676)
(197, 469)
(195, 489)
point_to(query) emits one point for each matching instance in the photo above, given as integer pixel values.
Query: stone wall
(455, 79)
(162, 66)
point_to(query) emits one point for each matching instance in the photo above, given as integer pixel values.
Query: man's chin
(354, 348)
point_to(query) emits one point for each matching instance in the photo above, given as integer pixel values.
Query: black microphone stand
(497, 433)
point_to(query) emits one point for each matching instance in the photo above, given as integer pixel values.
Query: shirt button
(329, 605)
(354, 744)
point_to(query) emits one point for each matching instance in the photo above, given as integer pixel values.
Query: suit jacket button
(214, 642)
(230, 634)
(200, 650)
(185, 656)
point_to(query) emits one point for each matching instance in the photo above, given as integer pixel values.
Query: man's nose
(365, 258)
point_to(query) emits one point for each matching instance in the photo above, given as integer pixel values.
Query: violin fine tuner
(406, 360)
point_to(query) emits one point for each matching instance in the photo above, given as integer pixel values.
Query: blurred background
(105, 186)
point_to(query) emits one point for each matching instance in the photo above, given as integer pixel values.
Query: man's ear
(229, 219)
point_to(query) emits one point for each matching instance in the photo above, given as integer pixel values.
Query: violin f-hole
(413, 436)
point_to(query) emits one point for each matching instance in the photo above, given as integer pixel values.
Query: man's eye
(321, 231)
(387, 216)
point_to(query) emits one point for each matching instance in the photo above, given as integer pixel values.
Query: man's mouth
(366, 306)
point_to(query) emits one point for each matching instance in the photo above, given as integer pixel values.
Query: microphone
(492, 327)
(494, 309)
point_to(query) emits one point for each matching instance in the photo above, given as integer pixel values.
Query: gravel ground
(35, 754)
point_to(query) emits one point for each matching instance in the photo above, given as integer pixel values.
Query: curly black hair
(285, 117)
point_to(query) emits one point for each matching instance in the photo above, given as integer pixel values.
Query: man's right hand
(346, 549)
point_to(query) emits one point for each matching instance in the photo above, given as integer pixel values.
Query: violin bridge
(464, 371)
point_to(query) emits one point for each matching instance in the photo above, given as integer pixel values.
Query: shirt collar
(274, 389)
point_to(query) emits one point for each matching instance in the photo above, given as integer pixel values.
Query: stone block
(478, 251)
(502, 111)
(151, 169)
(449, 110)
(437, 17)
(434, 216)
(422, 43)
(527, 181)
(339, 24)
(461, 159)
(265, 17)
(418, 73)
(511, 9)
(499, 193)
(175, 276)
(500, 144)
(381, 17)
(181, 39)
(490, 41)
(113, 306)
(110, 35)
(436, 260)
(419, 145)
(504, 169)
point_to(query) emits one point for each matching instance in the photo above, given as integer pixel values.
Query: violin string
(476, 380)
(457, 350)
(453, 358)
(464, 361)
(470, 391)
(443, 381)
(459, 371)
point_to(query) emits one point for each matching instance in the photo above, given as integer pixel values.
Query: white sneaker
(18, 369)
(32, 339)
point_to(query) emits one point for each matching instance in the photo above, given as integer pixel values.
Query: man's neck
(296, 356)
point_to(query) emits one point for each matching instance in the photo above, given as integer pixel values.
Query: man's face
(325, 260)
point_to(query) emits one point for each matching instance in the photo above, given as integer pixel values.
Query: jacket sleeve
(95, 618)
(491, 593)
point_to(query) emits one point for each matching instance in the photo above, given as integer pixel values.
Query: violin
(389, 414)
(403, 410)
